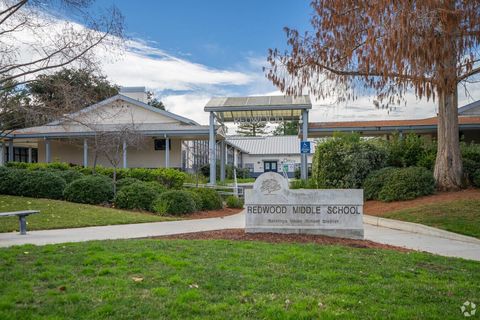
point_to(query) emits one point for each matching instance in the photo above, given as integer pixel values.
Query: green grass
(56, 214)
(236, 280)
(460, 216)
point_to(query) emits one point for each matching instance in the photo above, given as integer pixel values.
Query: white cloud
(142, 64)
(185, 87)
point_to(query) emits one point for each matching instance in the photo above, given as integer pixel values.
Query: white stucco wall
(258, 160)
(144, 157)
(121, 112)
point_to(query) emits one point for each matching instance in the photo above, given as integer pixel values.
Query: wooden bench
(22, 218)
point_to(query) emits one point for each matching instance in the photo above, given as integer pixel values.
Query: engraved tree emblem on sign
(270, 185)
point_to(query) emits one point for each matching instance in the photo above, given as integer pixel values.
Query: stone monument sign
(272, 207)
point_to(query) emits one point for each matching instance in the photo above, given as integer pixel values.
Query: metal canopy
(261, 108)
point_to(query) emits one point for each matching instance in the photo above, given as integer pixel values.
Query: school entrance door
(270, 166)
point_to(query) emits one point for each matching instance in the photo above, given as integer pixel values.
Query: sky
(187, 51)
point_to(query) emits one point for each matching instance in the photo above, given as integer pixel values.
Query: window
(249, 166)
(21, 154)
(161, 143)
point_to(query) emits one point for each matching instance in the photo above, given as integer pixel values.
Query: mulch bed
(240, 235)
(378, 208)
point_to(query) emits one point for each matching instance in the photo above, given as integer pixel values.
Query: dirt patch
(239, 234)
(212, 213)
(378, 208)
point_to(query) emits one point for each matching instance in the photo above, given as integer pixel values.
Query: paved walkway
(433, 244)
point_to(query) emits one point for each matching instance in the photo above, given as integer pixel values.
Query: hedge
(476, 179)
(375, 181)
(211, 200)
(36, 184)
(234, 202)
(138, 195)
(175, 202)
(407, 183)
(344, 161)
(90, 189)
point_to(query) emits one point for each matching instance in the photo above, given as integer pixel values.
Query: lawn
(219, 279)
(460, 216)
(56, 214)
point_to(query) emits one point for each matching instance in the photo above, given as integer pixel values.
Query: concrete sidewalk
(124, 231)
(429, 243)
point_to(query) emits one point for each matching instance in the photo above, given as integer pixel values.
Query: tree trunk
(448, 165)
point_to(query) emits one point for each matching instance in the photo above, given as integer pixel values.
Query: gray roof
(79, 130)
(267, 108)
(267, 144)
(469, 107)
(259, 102)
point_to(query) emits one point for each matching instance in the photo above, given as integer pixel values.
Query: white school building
(167, 139)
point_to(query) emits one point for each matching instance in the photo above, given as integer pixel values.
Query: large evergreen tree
(67, 91)
(252, 129)
(286, 128)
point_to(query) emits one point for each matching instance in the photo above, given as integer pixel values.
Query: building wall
(71, 151)
(257, 161)
(121, 112)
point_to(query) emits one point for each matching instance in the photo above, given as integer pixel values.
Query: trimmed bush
(174, 202)
(234, 202)
(197, 199)
(39, 166)
(138, 195)
(211, 200)
(10, 180)
(90, 189)
(39, 184)
(407, 183)
(170, 178)
(125, 182)
(471, 160)
(303, 184)
(344, 161)
(476, 179)
(375, 181)
(69, 175)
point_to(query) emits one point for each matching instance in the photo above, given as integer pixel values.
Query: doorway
(270, 166)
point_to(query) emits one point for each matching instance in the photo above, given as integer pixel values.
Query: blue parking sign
(305, 146)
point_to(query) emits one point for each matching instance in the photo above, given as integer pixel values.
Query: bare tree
(111, 143)
(393, 47)
(33, 39)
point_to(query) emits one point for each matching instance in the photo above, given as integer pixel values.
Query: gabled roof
(469, 106)
(134, 102)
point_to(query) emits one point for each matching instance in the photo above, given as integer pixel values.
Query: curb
(417, 228)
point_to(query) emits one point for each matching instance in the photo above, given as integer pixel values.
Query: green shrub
(303, 184)
(197, 199)
(10, 179)
(69, 175)
(476, 179)
(126, 182)
(407, 183)
(471, 160)
(175, 202)
(138, 195)
(234, 202)
(375, 181)
(211, 200)
(39, 184)
(170, 178)
(39, 166)
(90, 189)
(344, 161)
